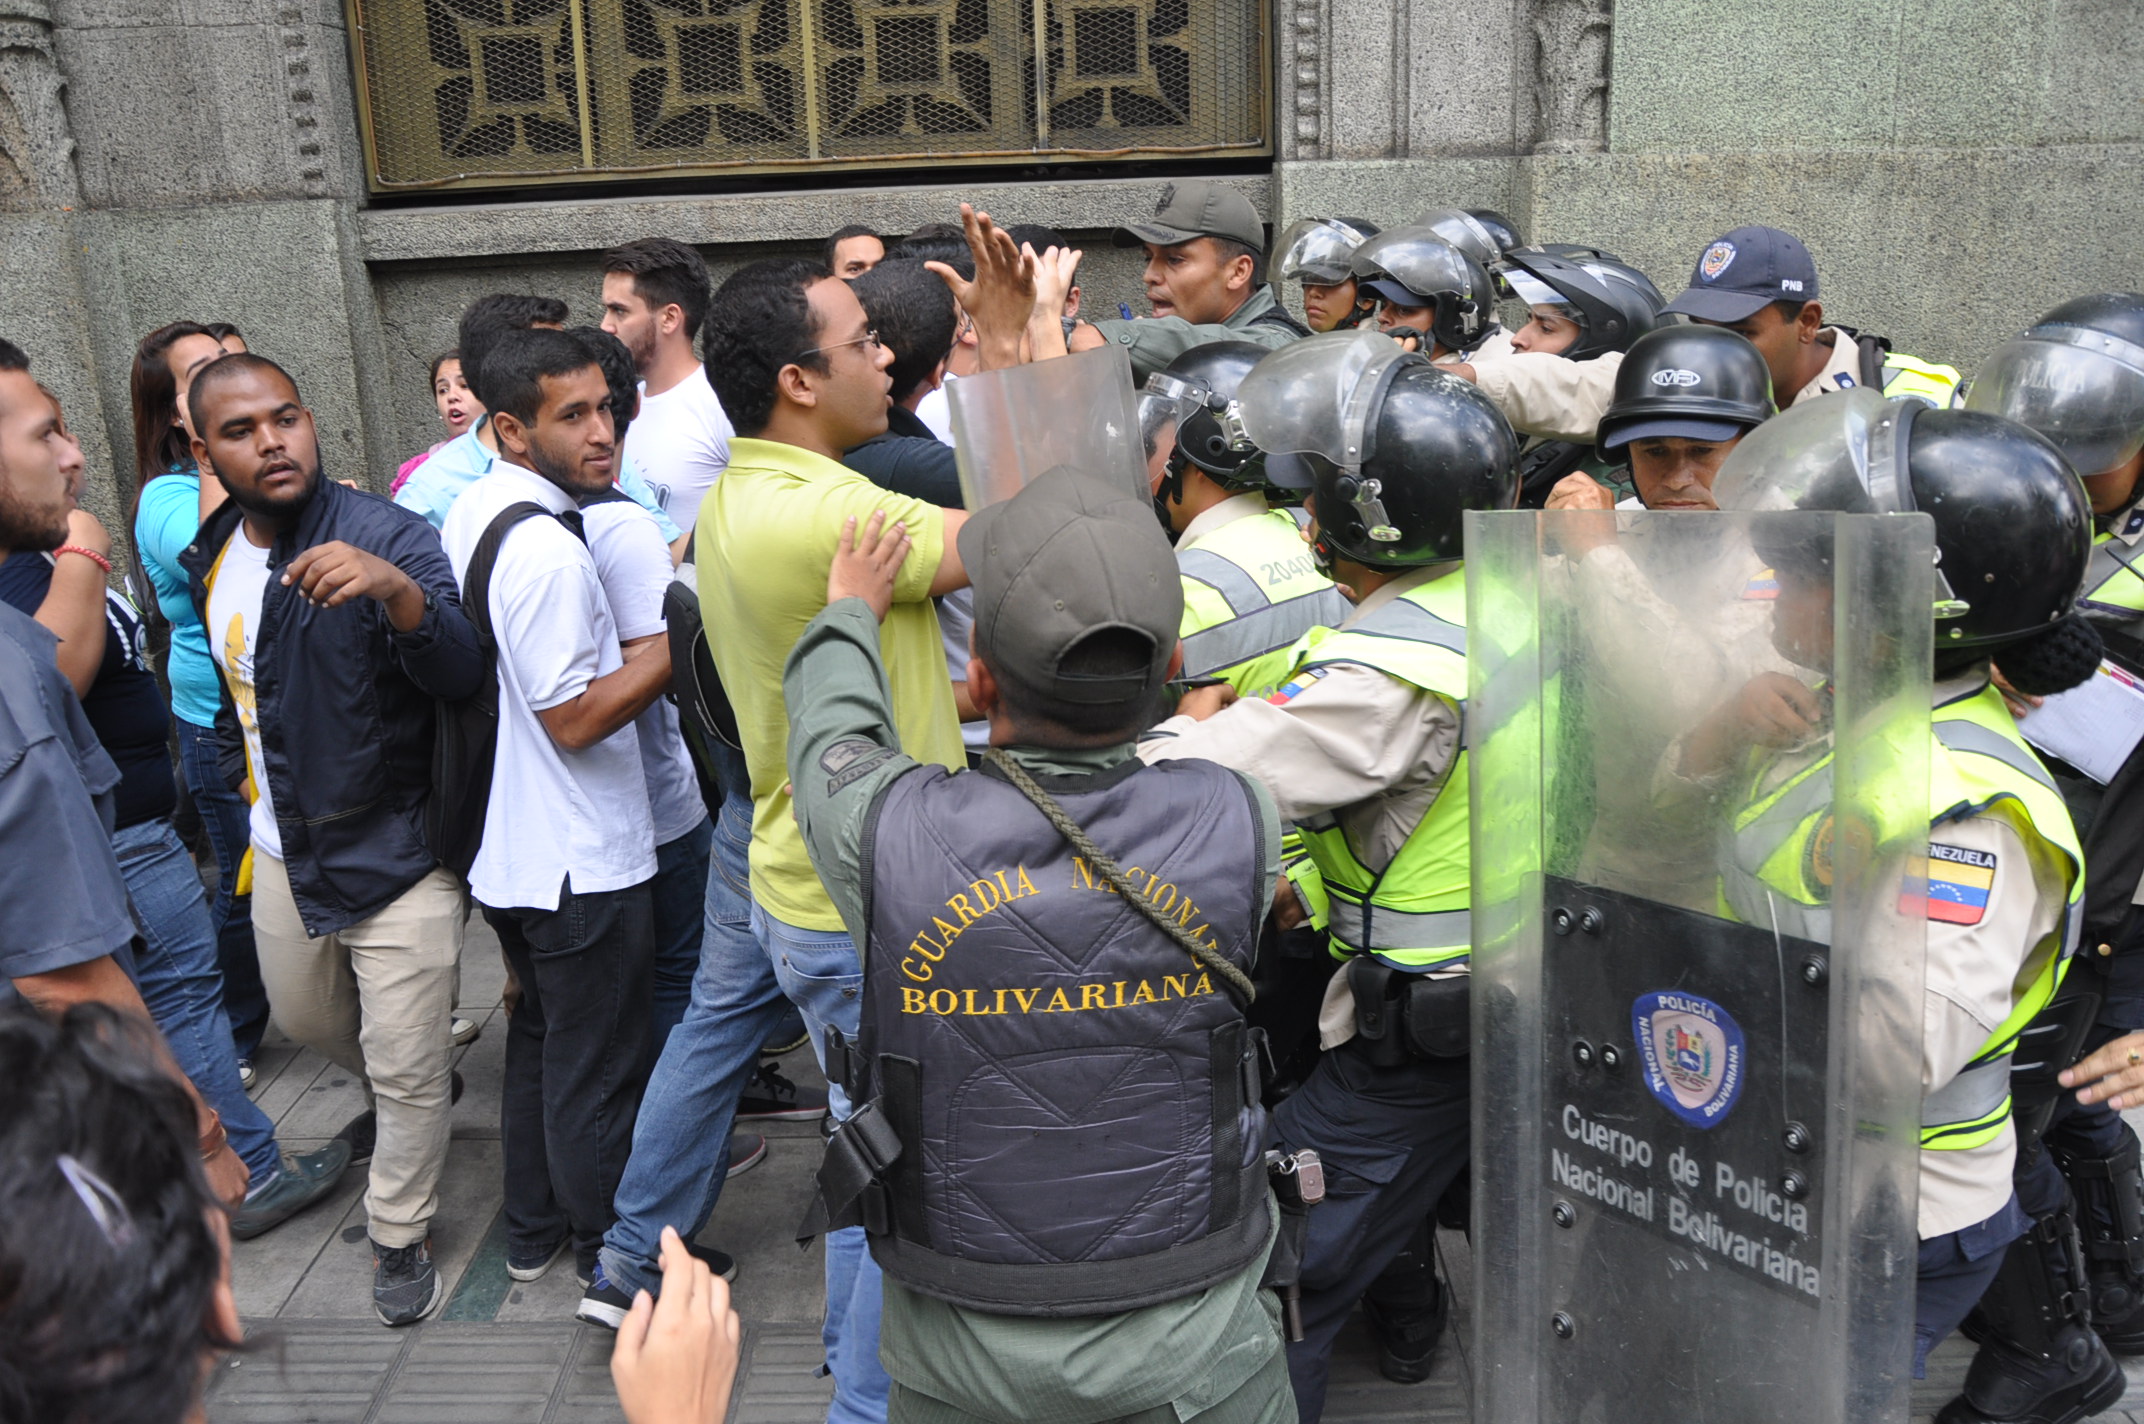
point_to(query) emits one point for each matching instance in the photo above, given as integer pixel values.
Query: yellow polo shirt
(767, 534)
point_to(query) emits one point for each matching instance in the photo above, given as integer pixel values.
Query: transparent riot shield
(1009, 426)
(1700, 760)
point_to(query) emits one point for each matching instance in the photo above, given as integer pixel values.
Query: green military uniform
(1154, 341)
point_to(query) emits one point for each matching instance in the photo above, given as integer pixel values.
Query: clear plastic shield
(1314, 396)
(2082, 389)
(1013, 425)
(1697, 998)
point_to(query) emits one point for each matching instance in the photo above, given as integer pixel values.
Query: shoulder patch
(1297, 685)
(1955, 888)
(2135, 525)
(1846, 382)
(848, 759)
(1763, 585)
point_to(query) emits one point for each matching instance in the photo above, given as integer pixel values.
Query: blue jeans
(176, 971)
(820, 972)
(223, 816)
(681, 1140)
(680, 890)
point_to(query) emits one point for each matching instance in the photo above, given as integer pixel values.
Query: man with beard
(334, 621)
(563, 873)
(655, 295)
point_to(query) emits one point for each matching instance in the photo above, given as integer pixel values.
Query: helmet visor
(1315, 396)
(1830, 454)
(1163, 404)
(2082, 389)
(1319, 253)
(1531, 289)
(1464, 231)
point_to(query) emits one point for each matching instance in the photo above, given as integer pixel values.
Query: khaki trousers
(375, 999)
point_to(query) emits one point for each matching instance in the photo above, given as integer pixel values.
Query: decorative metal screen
(467, 92)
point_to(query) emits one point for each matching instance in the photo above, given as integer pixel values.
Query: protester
(458, 410)
(854, 250)
(915, 318)
(568, 850)
(57, 783)
(655, 294)
(100, 653)
(338, 626)
(167, 512)
(112, 1247)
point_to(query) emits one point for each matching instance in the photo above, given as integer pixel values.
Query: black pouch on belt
(1433, 1013)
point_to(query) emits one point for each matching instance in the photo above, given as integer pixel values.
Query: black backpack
(705, 716)
(466, 740)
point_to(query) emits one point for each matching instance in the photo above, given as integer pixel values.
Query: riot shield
(1697, 992)
(1011, 425)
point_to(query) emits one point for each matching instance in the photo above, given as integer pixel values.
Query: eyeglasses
(869, 338)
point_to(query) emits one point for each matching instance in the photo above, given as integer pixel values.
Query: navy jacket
(909, 460)
(346, 705)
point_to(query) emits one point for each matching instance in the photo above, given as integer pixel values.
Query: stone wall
(1956, 166)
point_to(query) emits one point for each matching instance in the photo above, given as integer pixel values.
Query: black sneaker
(770, 1097)
(530, 1263)
(720, 1262)
(747, 1150)
(363, 1131)
(405, 1285)
(604, 1303)
(298, 1183)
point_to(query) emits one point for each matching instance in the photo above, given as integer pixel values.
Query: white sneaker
(462, 1032)
(246, 1076)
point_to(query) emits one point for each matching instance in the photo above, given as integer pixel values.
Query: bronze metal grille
(481, 92)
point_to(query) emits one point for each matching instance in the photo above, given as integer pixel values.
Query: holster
(1403, 1017)
(1284, 1264)
(851, 1181)
(2049, 1044)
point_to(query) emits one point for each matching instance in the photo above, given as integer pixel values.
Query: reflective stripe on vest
(1765, 882)
(2114, 580)
(1922, 380)
(1414, 914)
(1239, 626)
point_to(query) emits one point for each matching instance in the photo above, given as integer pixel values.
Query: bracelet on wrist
(90, 554)
(213, 1138)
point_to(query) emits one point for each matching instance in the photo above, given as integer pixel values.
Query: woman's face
(457, 406)
(1549, 330)
(184, 358)
(1325, 307)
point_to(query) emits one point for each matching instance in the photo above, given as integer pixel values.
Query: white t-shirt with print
(234, 630)
(634, 564)
(680, 442)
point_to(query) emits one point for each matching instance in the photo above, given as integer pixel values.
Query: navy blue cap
(1744, 271)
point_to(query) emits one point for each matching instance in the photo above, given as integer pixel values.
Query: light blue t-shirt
(165, 523)
(433, 486)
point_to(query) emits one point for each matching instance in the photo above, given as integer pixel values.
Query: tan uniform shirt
(1372, 751)
(1845, 360)
(1547, 396)
(1237, 506)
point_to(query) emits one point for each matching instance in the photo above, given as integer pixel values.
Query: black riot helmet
(1318, 250)
(1613, 302)
(1698, 382)
(2077, 377)
(1190, 396)
(1501, 229)
(1464, 231)
(2013, 525)
(1414, 267)
(1394, 450)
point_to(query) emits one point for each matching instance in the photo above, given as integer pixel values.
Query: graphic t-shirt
(681, 443)
(237, 585)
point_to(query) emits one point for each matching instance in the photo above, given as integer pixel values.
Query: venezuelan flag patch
(1296, 686)
(1762, 586)
(1955, 889)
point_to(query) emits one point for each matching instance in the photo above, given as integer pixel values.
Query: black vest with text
(1076, 1098)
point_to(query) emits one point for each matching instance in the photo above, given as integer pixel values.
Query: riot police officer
(1761, 282)
(1316, 252)
(2077, 377)
(1250, 589)
(1484, 241)
(1054, 974)
(2004, 882)
(1432, 291)
(1361, 748)
(1581, 303)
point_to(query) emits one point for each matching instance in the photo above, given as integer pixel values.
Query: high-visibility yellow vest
(2114, 580)
(1251, 592)
(1413, 914)
(1778, 874)
(1921, 380)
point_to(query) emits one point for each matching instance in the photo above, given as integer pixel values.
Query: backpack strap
(476, 579)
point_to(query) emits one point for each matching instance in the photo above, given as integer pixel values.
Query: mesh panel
(489, 91)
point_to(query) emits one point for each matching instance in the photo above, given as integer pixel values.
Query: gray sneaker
(297, 1184)
(405, 1285)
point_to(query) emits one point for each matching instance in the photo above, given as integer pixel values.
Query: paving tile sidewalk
(506, 1353)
